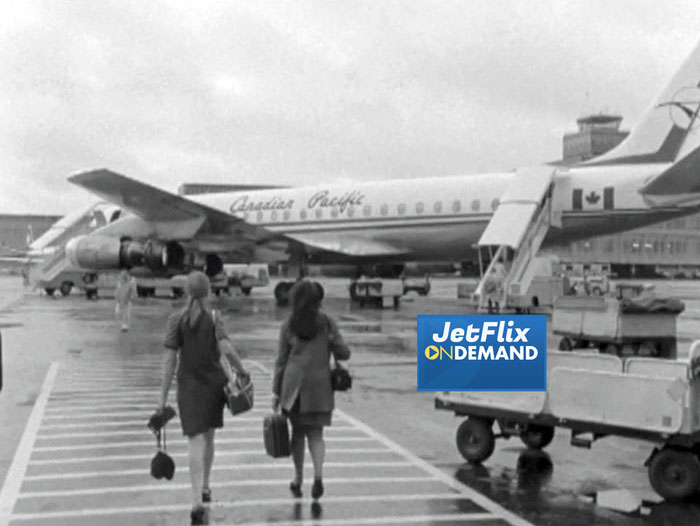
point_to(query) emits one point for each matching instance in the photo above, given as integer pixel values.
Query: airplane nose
(71, 250)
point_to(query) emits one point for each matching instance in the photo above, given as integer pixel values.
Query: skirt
(201, 407)
(311, 420)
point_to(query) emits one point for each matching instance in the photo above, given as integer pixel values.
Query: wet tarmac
(77, 394)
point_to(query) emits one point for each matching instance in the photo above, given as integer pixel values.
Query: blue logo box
(482, 353)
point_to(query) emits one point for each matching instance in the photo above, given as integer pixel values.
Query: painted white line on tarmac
(178, 442)
(393, 519)
(18, 468)
(120, 414)
(220, 467)
(226, 430)
(56, 409)
(182, 454)
(437, 473)
(109, 490)
(165, 508)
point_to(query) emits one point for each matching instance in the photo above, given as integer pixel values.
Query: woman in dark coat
(198, 336)
(302, 381)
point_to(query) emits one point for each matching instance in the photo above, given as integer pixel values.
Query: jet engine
(106, 253)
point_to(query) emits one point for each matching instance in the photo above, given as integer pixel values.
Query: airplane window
(401, 209)
(259, 216)
(351, 211)
(302, 214)
(476, 205)
(367, 210)
(494, 204)
(456, 206)
(384, 209)
(273, 215)
(419, 207)
(319, 213)
(286, 215)
(437, 207)
(334, 212)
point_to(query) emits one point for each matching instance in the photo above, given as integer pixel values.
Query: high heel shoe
(295, 488)
(317, 489)
(197, 516)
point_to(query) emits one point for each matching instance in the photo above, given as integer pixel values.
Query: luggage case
(276, 435)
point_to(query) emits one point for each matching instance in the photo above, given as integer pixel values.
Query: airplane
(652, 176)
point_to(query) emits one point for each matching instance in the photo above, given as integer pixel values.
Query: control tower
(596, 135)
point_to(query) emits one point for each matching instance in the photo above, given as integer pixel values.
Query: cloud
(297, 92)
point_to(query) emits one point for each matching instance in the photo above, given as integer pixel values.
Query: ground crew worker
(124, 294)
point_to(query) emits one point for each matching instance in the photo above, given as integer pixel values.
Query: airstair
(49, 256)
(513, 237)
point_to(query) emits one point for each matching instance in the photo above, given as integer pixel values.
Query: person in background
(198, 336)
(124, 294)
(301, 386)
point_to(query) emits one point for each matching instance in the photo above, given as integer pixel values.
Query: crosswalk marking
(83, 416)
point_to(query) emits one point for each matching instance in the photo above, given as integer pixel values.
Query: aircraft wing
(347, 245)
(155, 205)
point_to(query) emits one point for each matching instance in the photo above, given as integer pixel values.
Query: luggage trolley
(655, 400)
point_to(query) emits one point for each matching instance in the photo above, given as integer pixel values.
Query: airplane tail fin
(663, 134)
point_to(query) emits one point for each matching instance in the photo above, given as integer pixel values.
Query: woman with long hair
(197, 337)
(301, 385)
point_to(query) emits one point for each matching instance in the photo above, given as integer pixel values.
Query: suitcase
(276, 436)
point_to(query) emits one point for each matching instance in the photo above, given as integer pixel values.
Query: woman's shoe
(197, 515)
(206, 495)
(295, 488)
(317, 489)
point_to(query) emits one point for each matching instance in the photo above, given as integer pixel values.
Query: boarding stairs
(513, 237)
(49, 269)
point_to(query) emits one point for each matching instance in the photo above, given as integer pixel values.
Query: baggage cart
(655, 400)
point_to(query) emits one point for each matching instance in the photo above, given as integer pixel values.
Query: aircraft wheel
(674, 474)
(565, 344)
(246, 290)
(178, 292)
(537, 437)
(141, 292)
(49, 291)
(65, 288)
(353, 291)
(475, 439)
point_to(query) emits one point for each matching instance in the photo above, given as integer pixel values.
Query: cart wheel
(475, 439)
(597, 291)
(537, 437)
(674, 474)
(565, 344)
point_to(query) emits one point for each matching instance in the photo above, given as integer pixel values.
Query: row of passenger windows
(634, 245)
(366, 211)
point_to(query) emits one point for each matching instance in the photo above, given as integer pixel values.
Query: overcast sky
(303, 92)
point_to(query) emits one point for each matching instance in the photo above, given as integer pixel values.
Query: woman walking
(124, 294)
(198, 336)
(302, 381)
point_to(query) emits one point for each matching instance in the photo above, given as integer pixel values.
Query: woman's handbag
(340, 377)
(240, 398)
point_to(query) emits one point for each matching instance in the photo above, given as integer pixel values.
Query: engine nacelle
(104, 253)
(94, 252)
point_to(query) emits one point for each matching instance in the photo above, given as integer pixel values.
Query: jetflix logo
(482, 353)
